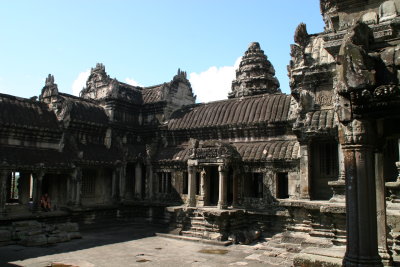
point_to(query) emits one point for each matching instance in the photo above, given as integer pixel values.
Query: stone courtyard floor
(135, 245)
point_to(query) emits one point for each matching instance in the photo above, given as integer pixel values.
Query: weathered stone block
(370, 18)
(63, 236)
(26, 224)
(35, 240)
(68, 227)
(53, 239)
(5, 235)
(74, 235)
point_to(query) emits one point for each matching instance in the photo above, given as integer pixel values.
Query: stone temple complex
(315, 171)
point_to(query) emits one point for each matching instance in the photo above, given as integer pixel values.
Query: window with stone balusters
(164, 182)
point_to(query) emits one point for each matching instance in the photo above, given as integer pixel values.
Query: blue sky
(144, 42)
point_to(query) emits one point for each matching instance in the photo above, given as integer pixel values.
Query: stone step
(301, 229)
(203, 229)
(194, 239)
(326, 234)
(316, 242)
(193, 234)
(199, 218)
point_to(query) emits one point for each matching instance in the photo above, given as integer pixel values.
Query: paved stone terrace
(136, 245)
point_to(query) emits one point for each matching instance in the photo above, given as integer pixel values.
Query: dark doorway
(130, 178)
(282, 185)
(214, 185)
(324, 168)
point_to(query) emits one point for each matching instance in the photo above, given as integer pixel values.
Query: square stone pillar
(383, 249)
(305, 171)
(75, 187)
(235, 188)
(338, 187)
(191, 186)
(122, 182)
(149, 181)
(361, 222)
(24, 186)
(115, 189)
(223, 187)
(138, 180)
(37, 189)
(3, 191)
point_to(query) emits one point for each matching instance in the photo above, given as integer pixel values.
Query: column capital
(4, 173)
(223, 168)
(191, 168)
(356, 132)
(38, 174)
(76, 174)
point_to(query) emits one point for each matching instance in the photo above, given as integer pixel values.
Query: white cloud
(132, 82)
(214, 83)
(80, 82)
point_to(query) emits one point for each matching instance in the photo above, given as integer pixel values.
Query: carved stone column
(304, 171)
(223, 187)
(383, 249)
(361, 225)
(235, 190)
(192, 186)
(203, 189)
(24, 184)
(3, 191)
(37, 189)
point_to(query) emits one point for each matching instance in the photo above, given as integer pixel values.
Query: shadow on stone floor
(93, 236)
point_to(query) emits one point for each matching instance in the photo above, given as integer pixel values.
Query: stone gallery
(315, 171)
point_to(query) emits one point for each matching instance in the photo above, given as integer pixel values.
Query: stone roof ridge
(19, 98)
(255, 75)
(77, 98)
(243, 97)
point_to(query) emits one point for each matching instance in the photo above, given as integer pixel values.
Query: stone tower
(255, 75)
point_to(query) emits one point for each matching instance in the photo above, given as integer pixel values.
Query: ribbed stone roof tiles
(21, 112)
(249, 110)
(321, 120)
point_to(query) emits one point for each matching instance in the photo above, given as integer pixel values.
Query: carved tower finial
(255, 75)
(301, 36)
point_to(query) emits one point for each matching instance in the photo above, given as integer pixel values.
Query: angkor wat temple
(319, 167)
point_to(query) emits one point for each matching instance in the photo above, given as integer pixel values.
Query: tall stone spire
(255, 75)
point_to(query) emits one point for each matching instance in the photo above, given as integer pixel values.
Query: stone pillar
(338, 187)
(37, 189)
(203, 189)
(192, 186)
(75, 187)
(304, 171)
(398, 163)
(163, 183)
(115, 195)
(223, 187)
(138, 180)
(24, 186)
(150, 181)
(361, 226)
(3, 191)
(235, 190)
(122, 181)
(383, 249)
